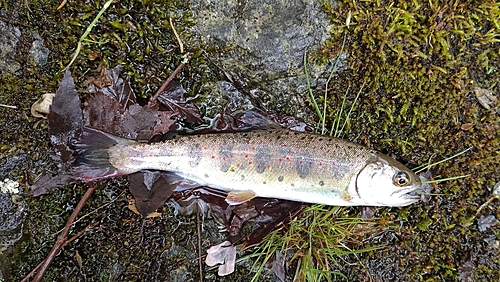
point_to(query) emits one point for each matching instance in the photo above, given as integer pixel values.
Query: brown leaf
(111, 84)
(65, 118)
(173, 98)
(164, 123)
(151, 189)
(47, 183)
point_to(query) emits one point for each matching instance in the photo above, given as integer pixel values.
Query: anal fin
(239, 197)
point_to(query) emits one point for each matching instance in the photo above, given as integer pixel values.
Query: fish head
(384, 181)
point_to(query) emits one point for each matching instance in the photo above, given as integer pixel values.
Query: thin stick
(62, 238)
(89, 227)
(8, 106)
(169, 79)
(181, 46)
(200, 263)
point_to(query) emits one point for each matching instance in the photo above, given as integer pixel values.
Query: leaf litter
(111, 106)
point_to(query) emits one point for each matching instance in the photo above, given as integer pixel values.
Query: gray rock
(9, 37)
(264, 44)
(38, 52)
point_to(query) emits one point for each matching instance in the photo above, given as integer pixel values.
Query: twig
(200, 263)
(169, 79)
(181, 46)
(8, 106)
(62, 238)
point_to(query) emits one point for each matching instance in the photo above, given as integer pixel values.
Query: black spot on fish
(303, 163)
(194, 154)
(262, 158)
(264, 182)
(281, 178)
(226, 156)
(206, 175)
(321, 183)
(242, 177)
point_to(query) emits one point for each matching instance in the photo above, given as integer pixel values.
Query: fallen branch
(169, 79)
(62, 239)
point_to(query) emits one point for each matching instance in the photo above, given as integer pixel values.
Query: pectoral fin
(236, 198)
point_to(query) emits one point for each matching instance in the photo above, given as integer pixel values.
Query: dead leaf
(151, 189)
(65, 118)
(41, 107)
(48, 183)
(224, 254)
(486, 98)
(173, 98)
(277, 264)
(486, 222)
(133, 208)
(111, 84)
(466, 126)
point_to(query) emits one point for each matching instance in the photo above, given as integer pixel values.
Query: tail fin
(92, 161)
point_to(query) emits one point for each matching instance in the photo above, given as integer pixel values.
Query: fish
(271, 163)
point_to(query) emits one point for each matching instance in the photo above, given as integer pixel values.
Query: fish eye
(401, 179)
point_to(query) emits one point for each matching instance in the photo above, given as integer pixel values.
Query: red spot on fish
(279, 160)
(321, 148)
(238, 165)
(246, 156)
(320, 163)
(270, 140)
(223, 158)
(250, 162)
(253, 148)
(204, 148)
(300, 162)
(288, 158)
(213, 157)
(284, 145)
(268, 166)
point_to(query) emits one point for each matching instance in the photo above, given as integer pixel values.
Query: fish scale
(273, 163)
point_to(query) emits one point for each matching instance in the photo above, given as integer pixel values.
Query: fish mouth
(413, 195)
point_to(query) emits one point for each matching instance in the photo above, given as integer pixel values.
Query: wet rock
(9, 37)
(12, 213)
(266, 43)
(38, 52)
(486, 222)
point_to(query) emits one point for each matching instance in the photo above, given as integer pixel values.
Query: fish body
(273, 163)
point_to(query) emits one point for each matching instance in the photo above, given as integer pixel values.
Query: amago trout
(273, 163)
